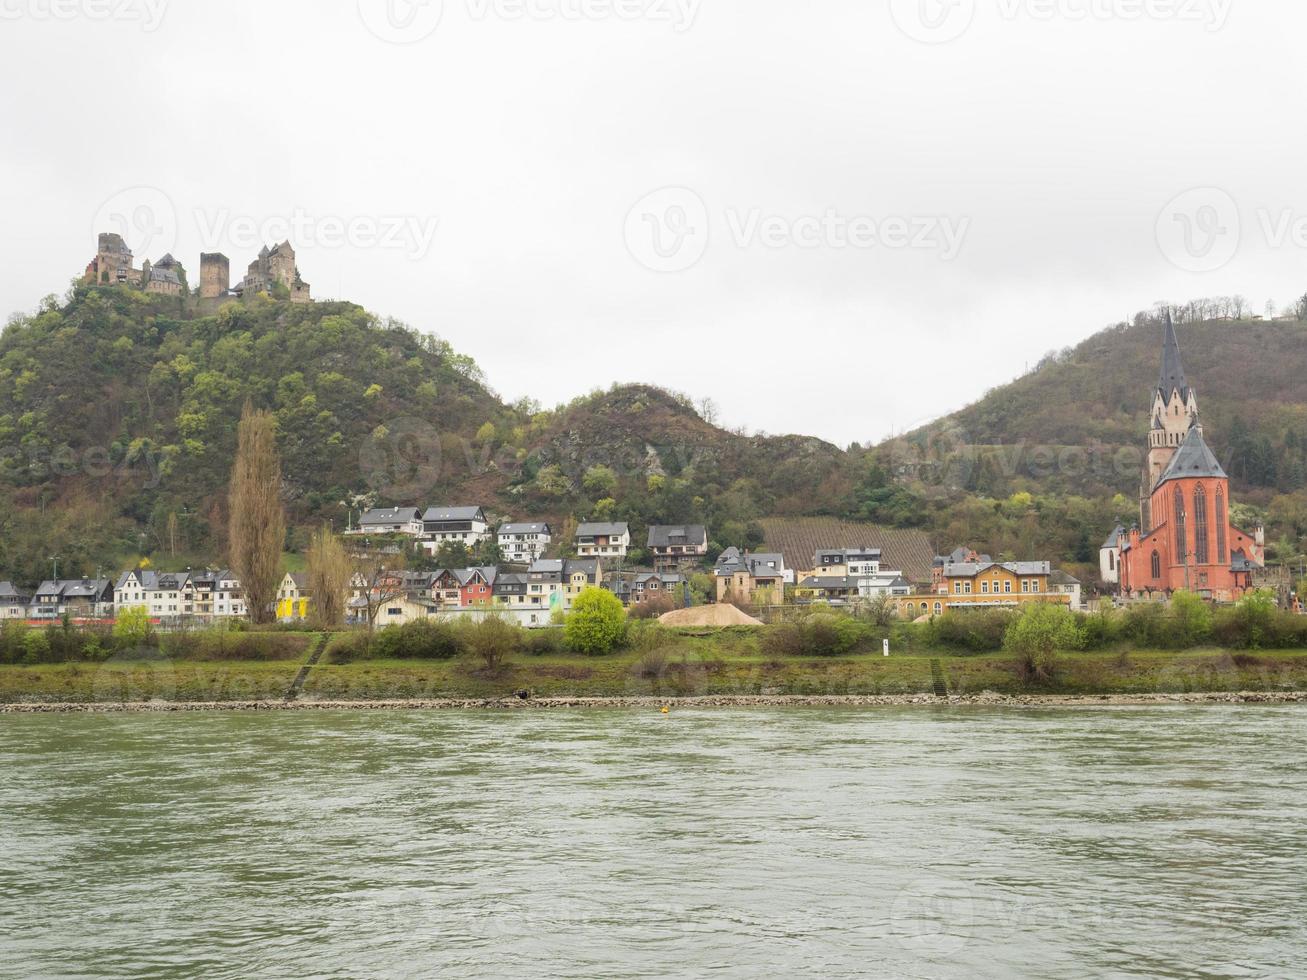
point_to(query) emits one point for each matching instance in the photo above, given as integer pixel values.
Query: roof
(602, 530)
(391, 515)
(666, 535)
(1240, 562)
(152, 580)
(847, 553)
(7, 591)
(588, 566)
(1114, 539)
(1059, 577)
(828, 582)
(799, 538)
(1172, 378)
(541, 528)
(972, 569)
(454, 514)
(1193, 460)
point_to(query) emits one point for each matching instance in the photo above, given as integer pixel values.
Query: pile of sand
(722, 614)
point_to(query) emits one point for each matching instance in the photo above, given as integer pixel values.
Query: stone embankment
(987, 699)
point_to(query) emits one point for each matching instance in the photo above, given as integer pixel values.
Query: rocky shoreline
(986, 699)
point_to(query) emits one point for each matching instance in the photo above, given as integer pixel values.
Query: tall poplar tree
(257, 522)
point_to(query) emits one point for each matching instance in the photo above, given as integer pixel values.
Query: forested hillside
(118, 414)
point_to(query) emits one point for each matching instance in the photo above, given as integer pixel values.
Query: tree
(329, 574)
(132, 628)
(1191, 621)
(1038, 634)
(257, 523)
(491, 640)
(600, 481)
(597, 622)
(452, 554)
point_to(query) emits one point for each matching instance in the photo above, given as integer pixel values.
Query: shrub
(36, 647)
(132, 629)
(820, 634)
(12, 633)
(651, 608)
(974, 631)
(543, 642)
(1036, 636)
(347, 647)
(597, 623)
(1189, 621)
(492, 640)
(425, 639)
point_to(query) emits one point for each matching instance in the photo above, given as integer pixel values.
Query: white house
(523, 543)
(461, 525)
(599, 540)
(390, 520)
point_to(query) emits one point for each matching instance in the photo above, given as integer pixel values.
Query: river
(828, 843)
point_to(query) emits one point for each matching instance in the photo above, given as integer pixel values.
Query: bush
(492, 640)
(36, 647)
(973, 631)
(424, 639)
(651, 608)
(221, 643)
(820, 634)
(347, 647)
(132, 629)
(597, 623)
(1036, 636)
(543, 642)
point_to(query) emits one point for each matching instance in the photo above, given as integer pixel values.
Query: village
(1183, 540)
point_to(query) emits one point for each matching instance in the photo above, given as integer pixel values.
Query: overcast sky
(839, 218)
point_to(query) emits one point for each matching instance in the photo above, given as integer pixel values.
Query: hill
(118, 412)
(1047, 464)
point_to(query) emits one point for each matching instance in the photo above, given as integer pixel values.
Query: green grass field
(698, 666)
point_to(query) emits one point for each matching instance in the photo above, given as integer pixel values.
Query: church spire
(1172, 370)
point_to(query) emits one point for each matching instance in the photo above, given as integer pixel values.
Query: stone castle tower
(1174, 413)
(215, 275)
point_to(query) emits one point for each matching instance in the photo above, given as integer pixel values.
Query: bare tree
(257, 523)
(329, 575)
(376, 584)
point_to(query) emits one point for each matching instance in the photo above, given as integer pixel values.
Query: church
(1184, 539)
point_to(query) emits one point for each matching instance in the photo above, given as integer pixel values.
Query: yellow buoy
(667, 708)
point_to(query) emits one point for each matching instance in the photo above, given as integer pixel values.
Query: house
(986, 585)
(510, 589)
(652, 586)
(556, 582)
(1060, 581)
(456, 525)
(678, 545)
(391, 520)
(477, 586)
(446, 588)
(838, 590)
(754, 578)
(405, 608)
(218, 595)
(523, 543)
(960, 556)
(847, 562)
(293, 597)
(165, 596)
(13, 603)
(80, 599)
(597, 540)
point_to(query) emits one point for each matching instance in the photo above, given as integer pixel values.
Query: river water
(891, 842)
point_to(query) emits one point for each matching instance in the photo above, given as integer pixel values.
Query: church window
(1181, 538)
(1157, 565)
(1222, 523)
(1201, 551)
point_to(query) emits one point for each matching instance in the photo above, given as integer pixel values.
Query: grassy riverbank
(700, 666)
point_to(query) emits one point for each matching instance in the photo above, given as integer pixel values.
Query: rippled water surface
(913, 842)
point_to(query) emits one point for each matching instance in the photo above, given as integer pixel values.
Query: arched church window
(1157, 565)
(1201, 552)
(1181, 538)
(1222, 524)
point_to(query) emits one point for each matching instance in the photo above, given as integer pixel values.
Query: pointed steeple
(1172, 370)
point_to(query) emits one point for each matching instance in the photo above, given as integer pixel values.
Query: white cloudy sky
(1051, 138)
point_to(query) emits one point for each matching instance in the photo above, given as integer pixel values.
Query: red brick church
(1184, 539)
